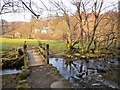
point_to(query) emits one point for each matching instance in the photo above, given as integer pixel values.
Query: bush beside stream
(12, 60)
(16, 63)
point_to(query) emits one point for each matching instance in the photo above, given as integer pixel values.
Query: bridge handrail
(44, 50)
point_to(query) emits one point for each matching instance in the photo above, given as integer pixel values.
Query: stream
(9, 71)
(85, 74)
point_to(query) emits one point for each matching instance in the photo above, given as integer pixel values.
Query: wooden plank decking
(34, 59)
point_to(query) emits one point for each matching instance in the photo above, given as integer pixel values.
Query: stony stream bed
(90, 73)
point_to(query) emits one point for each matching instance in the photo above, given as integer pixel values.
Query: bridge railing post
(47, 56)
(44, 50)
(25, 54)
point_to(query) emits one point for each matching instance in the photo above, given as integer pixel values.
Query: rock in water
(79, 75)
(96, 84)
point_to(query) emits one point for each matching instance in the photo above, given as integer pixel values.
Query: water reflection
(81, 71)
(68, 68)
(65, 67)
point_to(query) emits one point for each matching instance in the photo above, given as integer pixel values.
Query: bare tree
(88, 34)
(69, 36)
(89, 17)
(9, 6)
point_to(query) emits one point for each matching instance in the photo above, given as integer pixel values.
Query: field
(8, 44)
(56, 46)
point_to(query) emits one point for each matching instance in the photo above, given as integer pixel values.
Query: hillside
(57, 27)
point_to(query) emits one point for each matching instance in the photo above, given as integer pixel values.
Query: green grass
(7, 44)
(55, 45)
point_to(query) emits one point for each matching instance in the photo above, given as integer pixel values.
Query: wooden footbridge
(37, 55)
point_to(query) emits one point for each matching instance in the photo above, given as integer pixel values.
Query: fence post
(25, 54)
(47, 54)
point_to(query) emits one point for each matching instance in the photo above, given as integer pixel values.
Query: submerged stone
(79, 75)
(100, 76)
(96, 84)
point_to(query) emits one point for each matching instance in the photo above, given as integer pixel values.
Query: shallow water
(66, 71)
(77, 71)
(72, 68)
(9, 71)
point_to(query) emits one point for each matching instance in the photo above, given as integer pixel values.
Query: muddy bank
(9, 81)
(112, 75)
(18, 80)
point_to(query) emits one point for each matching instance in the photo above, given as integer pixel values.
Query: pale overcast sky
(26, 16)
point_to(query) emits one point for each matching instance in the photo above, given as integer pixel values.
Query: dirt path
(40, 72)
(42, 75)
